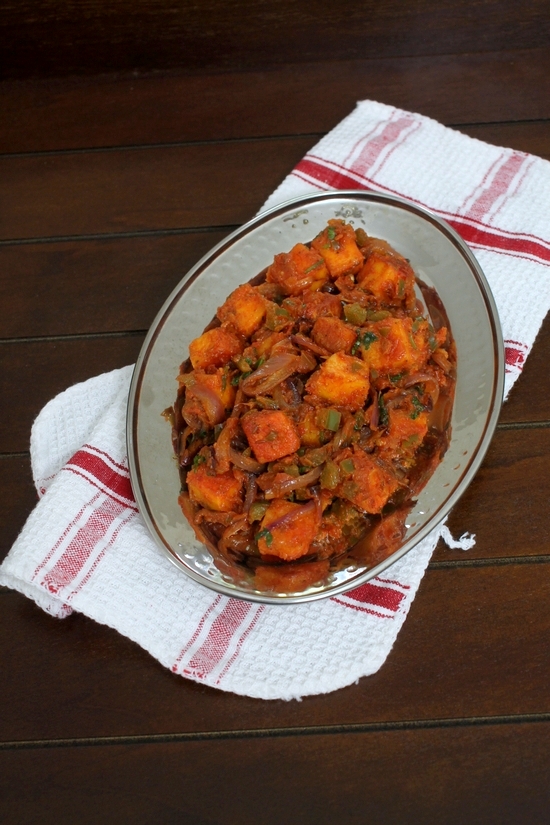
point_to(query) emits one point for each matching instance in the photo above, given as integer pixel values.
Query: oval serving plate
(439, 258)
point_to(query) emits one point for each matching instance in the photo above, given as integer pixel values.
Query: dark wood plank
(17, 498)
(289, 99)
(32, 373)
(477, 775)
(93, 286)
(503, 507)
(50, 286)
(528, 400)
(474, 644)
(143, 189)
(49, 39)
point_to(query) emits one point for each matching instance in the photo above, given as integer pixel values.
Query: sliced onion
(429, 381)
(245, 462)
(239, 524)
(188, 510)
(281, 488)
(213, 407)
(222, 447)
(295, 513)
(306, 343)
(250, 495)
(441, 359)
(276, 369)
(307, 363)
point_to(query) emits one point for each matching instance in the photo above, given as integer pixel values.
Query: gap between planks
(269, 733)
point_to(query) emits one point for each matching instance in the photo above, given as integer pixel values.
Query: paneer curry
(313, 409)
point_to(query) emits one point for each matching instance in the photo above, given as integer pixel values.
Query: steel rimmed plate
(440, 259)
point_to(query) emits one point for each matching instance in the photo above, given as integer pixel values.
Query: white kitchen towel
(85, 547)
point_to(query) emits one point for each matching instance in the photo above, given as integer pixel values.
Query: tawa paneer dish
(313, 410)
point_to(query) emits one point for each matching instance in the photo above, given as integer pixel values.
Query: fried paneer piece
(333, 334)
(222, 492)
(337, 244)
(214, 348)
(368, 483)
(208, 396)
(287, 529)
(290, 578)
(300, 269)
(244, 310)
(395, 345)
(271, 434)
(405, 432)
(387, 275)
(341, 380)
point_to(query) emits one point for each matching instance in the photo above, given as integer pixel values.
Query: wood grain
(501, 496)
(17, 498)
(453, 728)
(49, 38)
(118, 284)
(143, 189)
(478, 775)
(474, 644)
(74, 113)
(33, 373)
(93, 286)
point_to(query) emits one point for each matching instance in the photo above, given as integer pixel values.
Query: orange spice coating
(300, 269)
(214, 348)
(338, 246)
(215, 492)
(289, 539)
(333, 334)
(341, 379)
(271, 434)
(244, 310)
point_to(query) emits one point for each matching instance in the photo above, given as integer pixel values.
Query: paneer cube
(300, 269)
(341, 380)
(271, 434)
(389, 278)
(333, 334)
(244, 310)
(287, 529)
(368, 484)
(395, 345)
(222, 492)
(404, 435)
(290, 578)
(337, 244)
(214, 348)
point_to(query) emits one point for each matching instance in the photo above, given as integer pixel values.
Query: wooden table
(112, 185)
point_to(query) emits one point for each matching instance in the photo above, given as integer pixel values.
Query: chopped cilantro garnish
(198, 460)
(367, 339)
(264, 534)
(418, 408)
(316, 265)
(331, 233)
